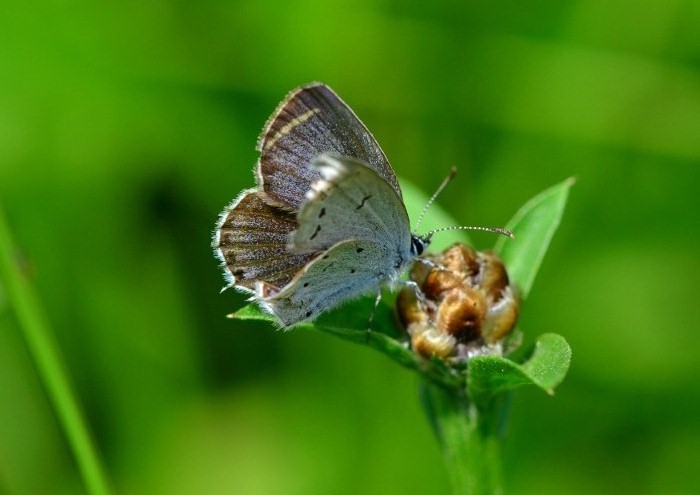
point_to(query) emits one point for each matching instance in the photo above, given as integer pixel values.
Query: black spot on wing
(364, 200)
(322, 212)
(318, 229)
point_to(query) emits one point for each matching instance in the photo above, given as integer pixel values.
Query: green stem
(468, 438)
(52, 372)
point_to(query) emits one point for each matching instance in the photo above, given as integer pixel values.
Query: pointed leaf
(534, 226)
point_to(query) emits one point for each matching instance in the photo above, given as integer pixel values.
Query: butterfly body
(327, 221)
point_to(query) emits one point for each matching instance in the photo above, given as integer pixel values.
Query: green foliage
(125, 128)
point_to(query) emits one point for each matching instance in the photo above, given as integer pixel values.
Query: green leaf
(251, 312)
(545, 368)
(350, 322)
(549, 362)
(534, 226)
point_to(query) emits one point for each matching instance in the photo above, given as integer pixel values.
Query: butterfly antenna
(495, 230)
(450, 176)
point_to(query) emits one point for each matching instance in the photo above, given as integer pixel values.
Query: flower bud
(466, 305)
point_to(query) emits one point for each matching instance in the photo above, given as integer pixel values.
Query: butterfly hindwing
(344, 271)
(252, 240)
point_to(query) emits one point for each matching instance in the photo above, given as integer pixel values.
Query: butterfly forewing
(351, 202)
(310, 121)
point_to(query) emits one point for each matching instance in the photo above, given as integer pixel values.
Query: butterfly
(326, 221)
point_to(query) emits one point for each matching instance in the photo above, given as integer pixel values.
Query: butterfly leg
(416, 289)
(423, 303)
(426, 262)
(431, 264)
(374, 310)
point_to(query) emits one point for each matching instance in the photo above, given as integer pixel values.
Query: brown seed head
(467, 303)
(461, 313)
(428, 341)
(440, 281)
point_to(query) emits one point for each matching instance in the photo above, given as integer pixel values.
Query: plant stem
(468, 437)
(48, 362)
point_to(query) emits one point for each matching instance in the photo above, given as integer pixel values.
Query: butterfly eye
(417, 245)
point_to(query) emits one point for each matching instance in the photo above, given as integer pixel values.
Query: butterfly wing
(348, 210)
(359, 221)
(346, 270)
(310, 121)
(351, 202)
(251, 241)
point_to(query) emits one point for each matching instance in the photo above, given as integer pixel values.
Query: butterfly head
(419, 244)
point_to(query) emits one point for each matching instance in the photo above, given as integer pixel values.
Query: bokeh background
(125, 128)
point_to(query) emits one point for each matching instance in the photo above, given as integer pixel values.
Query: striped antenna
(495, 230)
(450, 176)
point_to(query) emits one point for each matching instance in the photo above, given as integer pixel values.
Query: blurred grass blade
(545, 368)
(534, 226)
(46, 357)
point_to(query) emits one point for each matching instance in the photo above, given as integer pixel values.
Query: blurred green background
(126, 127)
